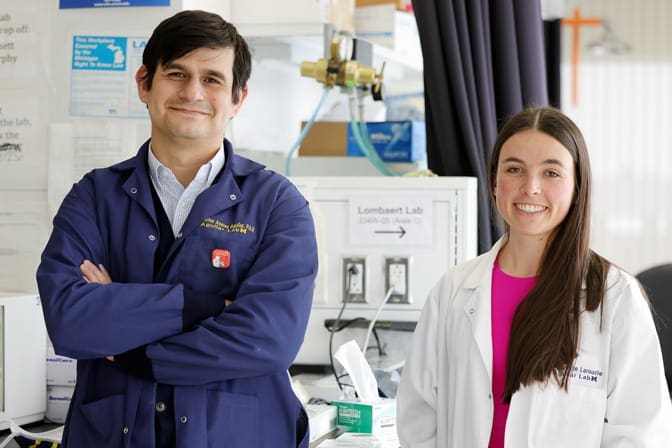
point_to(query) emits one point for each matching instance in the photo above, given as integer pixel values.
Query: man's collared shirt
(177, 200)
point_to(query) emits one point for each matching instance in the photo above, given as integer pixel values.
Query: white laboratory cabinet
(23, 350)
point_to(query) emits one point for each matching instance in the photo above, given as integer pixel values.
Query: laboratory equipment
(376, 234)
(341, 68)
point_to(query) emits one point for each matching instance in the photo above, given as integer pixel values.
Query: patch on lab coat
(587, 372)
(221, 258)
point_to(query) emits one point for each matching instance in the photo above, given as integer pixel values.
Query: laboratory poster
(16, 126)
(69, 4)
(19, 40)
(102, 79)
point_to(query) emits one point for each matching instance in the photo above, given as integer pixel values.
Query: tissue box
(368, 418)
(394, 141)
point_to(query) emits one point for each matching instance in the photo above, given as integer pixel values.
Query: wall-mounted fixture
(608, 43)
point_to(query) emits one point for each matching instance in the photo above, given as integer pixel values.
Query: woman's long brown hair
(545, 329)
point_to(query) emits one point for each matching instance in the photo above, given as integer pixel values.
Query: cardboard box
(394, 141)
(342, 14)
(61, 370)
(399, 4)
(384, 25)
(379, 418)
(325, 139)
(58, 402)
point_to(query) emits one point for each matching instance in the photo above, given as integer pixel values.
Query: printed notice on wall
(391, 221)
(102, 81)
(19, 42)
(22, 156)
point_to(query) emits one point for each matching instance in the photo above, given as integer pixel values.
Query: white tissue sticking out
(363, 380)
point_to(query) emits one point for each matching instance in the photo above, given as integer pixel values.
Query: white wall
(624, 111)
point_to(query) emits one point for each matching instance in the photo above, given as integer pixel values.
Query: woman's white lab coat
(617, 395)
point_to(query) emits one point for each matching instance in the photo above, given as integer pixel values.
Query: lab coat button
(233, 197)
(183, 419)
(125, 429)
(151, 237)
(160, 406)
(471, 311)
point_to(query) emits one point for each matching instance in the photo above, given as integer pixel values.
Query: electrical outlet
(397, 277)
(354, 279)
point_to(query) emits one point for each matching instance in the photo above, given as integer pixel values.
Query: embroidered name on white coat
(585, 375)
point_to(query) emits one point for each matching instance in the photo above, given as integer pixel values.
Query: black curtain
(552, 39)
(483, 61)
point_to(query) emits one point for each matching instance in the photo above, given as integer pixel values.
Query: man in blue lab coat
(181, 279)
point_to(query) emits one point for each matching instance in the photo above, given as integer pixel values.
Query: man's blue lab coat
(231, 386)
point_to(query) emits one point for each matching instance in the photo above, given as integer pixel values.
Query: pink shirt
(507, 293)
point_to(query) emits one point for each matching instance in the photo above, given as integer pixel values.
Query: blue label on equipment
(99, 53)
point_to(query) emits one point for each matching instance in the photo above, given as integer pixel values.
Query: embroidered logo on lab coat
(586, 374)
(237, 227)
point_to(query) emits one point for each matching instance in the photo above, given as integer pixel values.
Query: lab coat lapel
(222, 194)
(478, 307)
(141, 217)
(219, 197)
(137, 185)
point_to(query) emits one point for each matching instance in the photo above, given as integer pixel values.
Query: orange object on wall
(576, 21)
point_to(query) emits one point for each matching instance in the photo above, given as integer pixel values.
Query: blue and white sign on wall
(67, 4)
(99, 53)
(102, 76)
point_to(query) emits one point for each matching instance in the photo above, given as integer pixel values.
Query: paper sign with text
(387, 220)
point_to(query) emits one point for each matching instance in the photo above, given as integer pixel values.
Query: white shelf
(411, 61)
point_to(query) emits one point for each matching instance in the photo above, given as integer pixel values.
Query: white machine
(23, 350)
(379, 235)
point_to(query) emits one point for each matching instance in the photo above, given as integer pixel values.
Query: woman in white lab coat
(540, 342)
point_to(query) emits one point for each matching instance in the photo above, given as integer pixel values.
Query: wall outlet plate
(354, 279)
(397, 278)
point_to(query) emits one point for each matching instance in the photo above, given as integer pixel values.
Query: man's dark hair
(187, 31)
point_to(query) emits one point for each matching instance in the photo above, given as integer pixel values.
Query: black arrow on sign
(401, 231)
